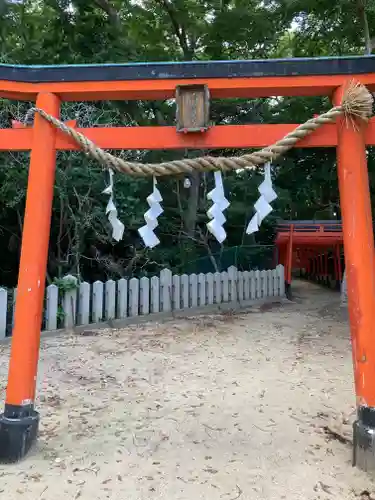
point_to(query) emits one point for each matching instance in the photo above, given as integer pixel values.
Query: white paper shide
(215, 212)
(147, 231)
(111, 211)
(262, 206)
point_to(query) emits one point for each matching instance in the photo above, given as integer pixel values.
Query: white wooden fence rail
(84, 304)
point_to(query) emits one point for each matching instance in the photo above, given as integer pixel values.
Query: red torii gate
(49, 86)
(306, 245)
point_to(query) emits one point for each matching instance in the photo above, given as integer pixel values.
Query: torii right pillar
(360, 274)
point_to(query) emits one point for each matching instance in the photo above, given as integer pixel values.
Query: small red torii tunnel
(314, 247)
(50, 86)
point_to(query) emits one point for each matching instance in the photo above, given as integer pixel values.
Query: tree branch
(111, 12)
(178, 29)
(366, 31)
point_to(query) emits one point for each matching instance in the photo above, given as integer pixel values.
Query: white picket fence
(85, 304)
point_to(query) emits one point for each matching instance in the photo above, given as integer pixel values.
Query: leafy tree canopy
(98, 31)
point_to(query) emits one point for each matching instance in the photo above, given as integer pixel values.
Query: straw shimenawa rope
(356, 103)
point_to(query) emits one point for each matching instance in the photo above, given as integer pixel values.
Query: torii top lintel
(156, 81)
(252, 78)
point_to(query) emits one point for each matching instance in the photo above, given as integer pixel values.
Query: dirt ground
(256, 405)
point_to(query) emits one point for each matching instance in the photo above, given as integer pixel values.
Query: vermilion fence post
(289, 260)
(338, 256)
(325, 270)
(19, 423)
(335, 267)
(308, 262)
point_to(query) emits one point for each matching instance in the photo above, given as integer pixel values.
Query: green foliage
(96, 31)
(66, 285)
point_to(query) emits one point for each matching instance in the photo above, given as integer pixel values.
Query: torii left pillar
(19, 422)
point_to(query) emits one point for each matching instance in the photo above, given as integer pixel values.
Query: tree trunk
(366, 30)
(190, 219)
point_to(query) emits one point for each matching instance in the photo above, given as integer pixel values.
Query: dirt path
(215, 408)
